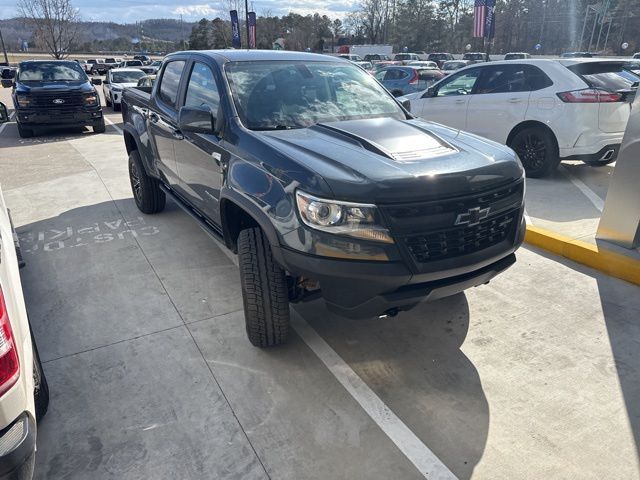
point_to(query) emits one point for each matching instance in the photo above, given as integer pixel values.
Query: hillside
(15, 29)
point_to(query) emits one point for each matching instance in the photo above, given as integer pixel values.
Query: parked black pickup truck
(322, 183)
(50, 93)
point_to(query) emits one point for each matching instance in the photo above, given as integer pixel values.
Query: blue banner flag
(236, 42)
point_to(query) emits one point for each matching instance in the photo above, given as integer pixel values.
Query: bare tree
(54, 22)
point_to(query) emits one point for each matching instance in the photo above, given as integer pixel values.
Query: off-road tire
(264, 290)
(24, 132)
(107, 101)
(116, 107)
(146, 190)
(538, 151)
(100, 127)
(40, 385)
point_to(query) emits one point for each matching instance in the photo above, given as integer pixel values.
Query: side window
(503, 79)
(202, 88)
(536, 78)
(170, 82)
(459, 84)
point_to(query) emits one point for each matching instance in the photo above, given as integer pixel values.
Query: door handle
(177, 134)
(153, 117)
(460, 101)
(515, 100)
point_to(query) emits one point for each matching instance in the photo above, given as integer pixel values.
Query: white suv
(116, 81)
(24, 395)
(546, 110)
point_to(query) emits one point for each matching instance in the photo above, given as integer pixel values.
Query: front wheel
(100, 127)
(264, 290)
(24, 132)
(537, 150)
(116, 107)
(147, 193)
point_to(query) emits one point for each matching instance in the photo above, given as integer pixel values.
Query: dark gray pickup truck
(322, 183)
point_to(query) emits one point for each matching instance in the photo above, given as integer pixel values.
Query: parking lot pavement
(139, 323)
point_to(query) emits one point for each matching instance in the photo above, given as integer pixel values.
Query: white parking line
(5, 124)
(580, 185)
(409, 444)
(427, 463)
(118, 129)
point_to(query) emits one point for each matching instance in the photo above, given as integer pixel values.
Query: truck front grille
(461, 240)
(441, 229)
(57, 101)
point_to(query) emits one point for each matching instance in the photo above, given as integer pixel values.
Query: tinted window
(170, 82)
(202, 89)
(126, 77)
(606, 75)
(395, 74)
(536, 78)
(459, 84)
(503, 79)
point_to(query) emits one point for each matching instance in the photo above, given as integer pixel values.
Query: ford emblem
(58, 101)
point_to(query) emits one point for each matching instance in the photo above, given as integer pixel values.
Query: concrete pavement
(138, 320)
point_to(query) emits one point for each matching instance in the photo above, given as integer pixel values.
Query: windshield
(280, 95)
(127, 77)
(133, 63)
(51, 72)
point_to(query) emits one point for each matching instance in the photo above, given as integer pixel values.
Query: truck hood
(54, 87)
(388, 160)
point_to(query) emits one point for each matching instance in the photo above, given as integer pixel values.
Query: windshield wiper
(276, 127)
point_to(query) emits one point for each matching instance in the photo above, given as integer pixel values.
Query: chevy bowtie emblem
(473, 216)
(58, 101)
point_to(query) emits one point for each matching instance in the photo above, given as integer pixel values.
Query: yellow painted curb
(606, 261)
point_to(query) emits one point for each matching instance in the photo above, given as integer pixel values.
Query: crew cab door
(500, 101)
(450, 98)
(200, 156)
(163, 120)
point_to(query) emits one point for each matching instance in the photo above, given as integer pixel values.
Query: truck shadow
(414, 363)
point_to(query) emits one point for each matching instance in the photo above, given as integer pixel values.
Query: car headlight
(23, 100)
(91, 99)
(342, 218)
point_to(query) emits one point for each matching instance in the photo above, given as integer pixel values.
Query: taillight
(590, 95)
(9, 363)
(414, 78)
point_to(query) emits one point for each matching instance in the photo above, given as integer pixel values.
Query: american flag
(483, 18)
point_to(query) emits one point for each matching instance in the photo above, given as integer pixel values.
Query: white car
(88, 64)
(116, 80)
(452, 66)
(424, 64)
(24, 394)
(546, 110)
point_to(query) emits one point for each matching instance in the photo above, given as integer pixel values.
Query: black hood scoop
(397, 140)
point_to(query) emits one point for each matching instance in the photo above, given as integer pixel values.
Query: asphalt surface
(140, 326)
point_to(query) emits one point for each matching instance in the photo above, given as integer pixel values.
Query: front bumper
(364, 289)
(17, 447)
(48, 117)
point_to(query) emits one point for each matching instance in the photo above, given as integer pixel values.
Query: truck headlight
(23, 101)
(91, 99)
(342, 218)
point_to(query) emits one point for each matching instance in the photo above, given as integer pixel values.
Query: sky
(129, 11)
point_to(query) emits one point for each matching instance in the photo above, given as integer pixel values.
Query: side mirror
(4, 115)
(196, 119)
(431, 92)
(97, 81)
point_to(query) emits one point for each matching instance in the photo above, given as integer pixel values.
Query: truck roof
(253, 55)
